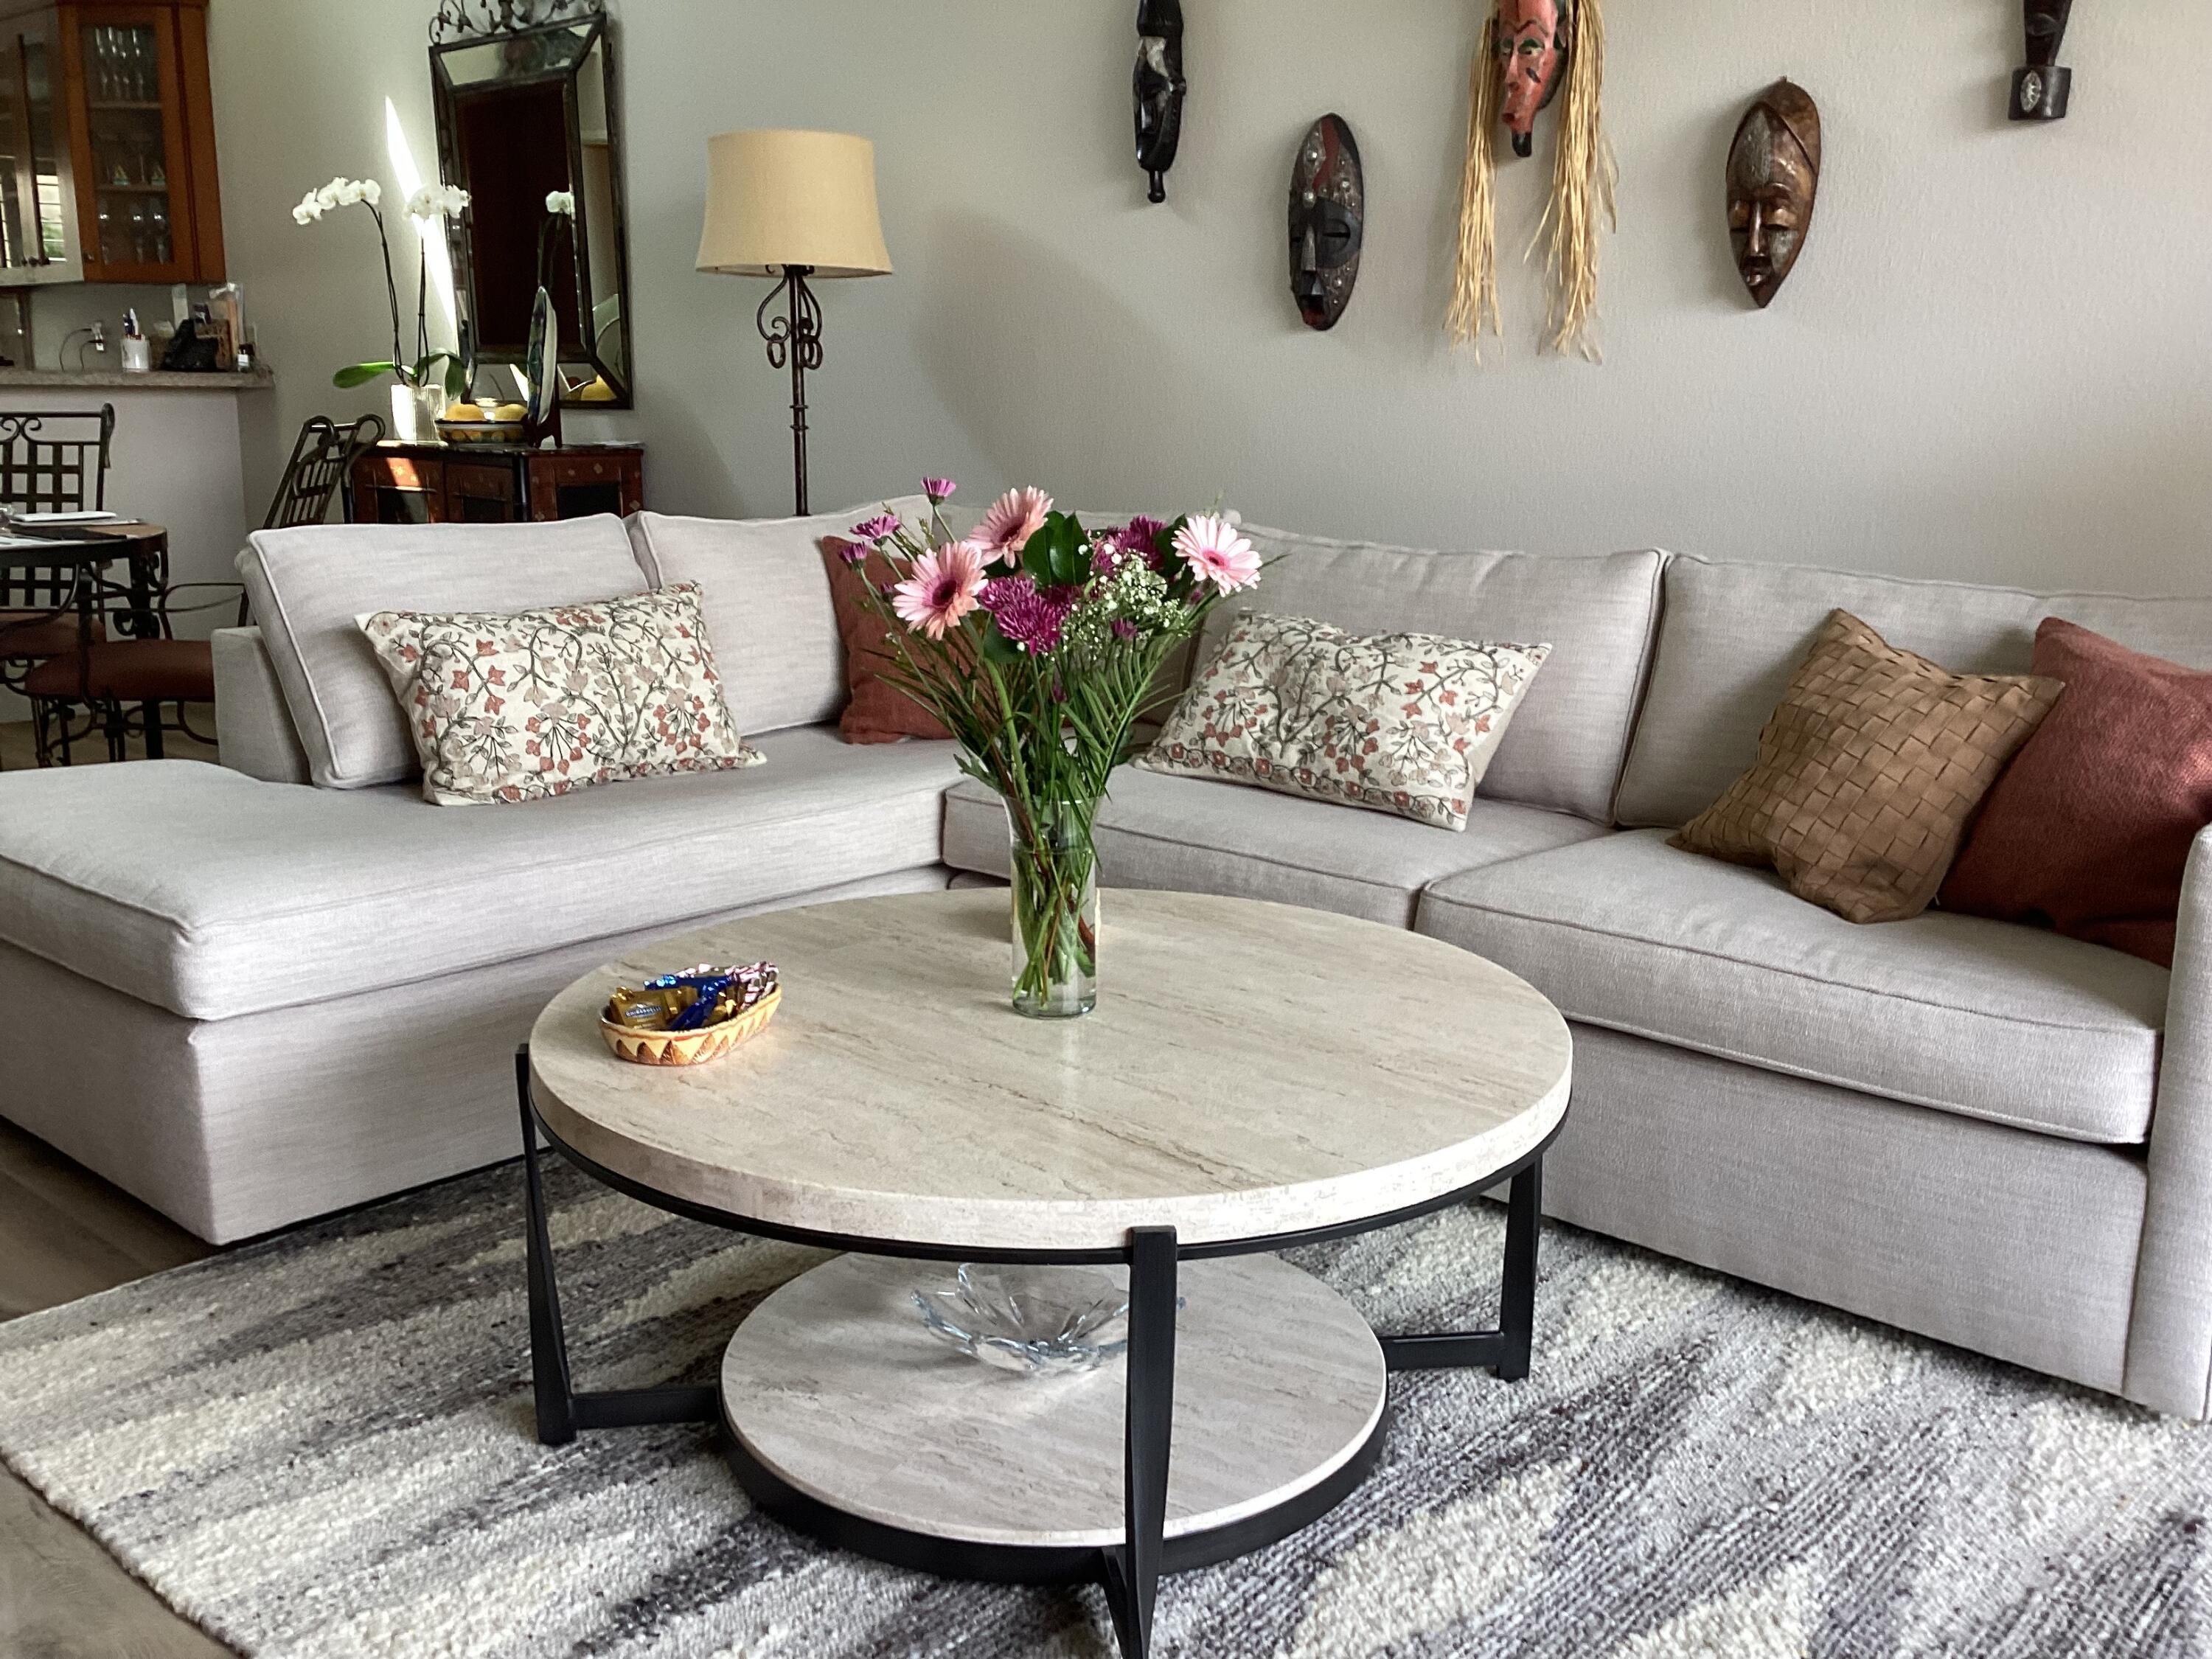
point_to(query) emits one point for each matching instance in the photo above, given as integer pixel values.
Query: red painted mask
(1532, 39)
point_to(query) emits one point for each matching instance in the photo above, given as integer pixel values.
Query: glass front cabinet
(107, 168)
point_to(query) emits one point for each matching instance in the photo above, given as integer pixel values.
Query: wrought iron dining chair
(56, 460)
(111, 678)
(322, 460)
(51, 461)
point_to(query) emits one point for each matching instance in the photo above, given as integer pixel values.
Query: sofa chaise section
(211, 895)
(289, 1000)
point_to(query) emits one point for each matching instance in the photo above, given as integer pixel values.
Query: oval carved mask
(1773, 177)
(1328, 208)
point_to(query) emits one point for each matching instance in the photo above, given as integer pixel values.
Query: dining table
(67, 558)
(59, 565)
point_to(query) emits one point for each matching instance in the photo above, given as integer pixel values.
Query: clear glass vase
(1055, 920)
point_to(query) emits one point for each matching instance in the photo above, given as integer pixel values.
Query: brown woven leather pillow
(1870, 772)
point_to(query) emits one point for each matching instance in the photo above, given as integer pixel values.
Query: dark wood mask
(1328, 211)
(2040, 91)
(1774, 178)
(1159, 89)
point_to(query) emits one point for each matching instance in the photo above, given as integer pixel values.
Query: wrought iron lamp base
(794, 341)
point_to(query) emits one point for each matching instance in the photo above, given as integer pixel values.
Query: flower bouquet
(1037, 643)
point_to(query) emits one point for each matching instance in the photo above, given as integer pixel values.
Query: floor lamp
(793, 206)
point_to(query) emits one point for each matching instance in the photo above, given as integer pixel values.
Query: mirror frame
(457, 28)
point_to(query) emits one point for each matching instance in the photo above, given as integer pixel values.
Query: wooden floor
(65, 1233)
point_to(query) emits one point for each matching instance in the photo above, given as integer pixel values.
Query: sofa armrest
(2170, 1334)
(252, 728)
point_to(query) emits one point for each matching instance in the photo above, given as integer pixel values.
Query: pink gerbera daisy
(1012, 520)
(940, 589)
(1216, 554)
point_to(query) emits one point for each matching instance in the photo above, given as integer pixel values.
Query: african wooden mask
(1159, 89)
(2040, 92)
(1533, 39)
(1773, 175)
(1530, 52)
(1328, 205)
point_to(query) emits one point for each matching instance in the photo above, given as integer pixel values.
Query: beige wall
(1994, 362)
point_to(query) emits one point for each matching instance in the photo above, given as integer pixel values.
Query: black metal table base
(1129, 1571)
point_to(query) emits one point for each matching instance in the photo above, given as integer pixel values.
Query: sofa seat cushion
(210, 894)
(1987, 1020)
(1194, 835)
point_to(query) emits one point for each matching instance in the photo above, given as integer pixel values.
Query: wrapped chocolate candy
(697, 997)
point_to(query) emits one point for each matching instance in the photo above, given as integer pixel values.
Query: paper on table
(85, 517)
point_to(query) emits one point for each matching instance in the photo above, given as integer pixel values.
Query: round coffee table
(1255, 1076)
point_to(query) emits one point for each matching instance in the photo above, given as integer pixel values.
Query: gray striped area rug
(321, 1446)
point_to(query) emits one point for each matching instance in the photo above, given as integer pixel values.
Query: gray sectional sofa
(276, 988)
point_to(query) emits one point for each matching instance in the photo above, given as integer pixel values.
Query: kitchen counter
(114, 380)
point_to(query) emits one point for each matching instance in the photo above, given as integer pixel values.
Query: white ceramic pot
(415, 411)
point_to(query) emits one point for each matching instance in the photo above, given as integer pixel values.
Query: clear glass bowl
(1035, 1321)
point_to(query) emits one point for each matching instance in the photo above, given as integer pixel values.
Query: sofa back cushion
(765, 600)
(1731, 636)
(308, 584)
(1570, 732)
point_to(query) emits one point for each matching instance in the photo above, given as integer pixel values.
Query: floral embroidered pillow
(1403, 723)
(518, 708)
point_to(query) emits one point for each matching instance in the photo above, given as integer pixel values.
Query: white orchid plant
(431, 202)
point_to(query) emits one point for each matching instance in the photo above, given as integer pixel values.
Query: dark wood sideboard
(494, 483)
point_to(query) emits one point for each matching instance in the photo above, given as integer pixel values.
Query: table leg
(1133, 1571)
(561, 1410)
(149, 576)
(1505, 1350)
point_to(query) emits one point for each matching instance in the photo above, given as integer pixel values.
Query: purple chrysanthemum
(882, 527)
(1141, 535)
(1030, 617)
(1123, 628)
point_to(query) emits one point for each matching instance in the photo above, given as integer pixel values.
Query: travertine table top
(1251, 1070)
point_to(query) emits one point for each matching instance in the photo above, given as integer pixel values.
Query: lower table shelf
(833, 1388)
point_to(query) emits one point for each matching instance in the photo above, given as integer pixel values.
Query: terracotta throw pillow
(1869, 772)
(518, 708)
(1402, 723)
(2089, 829)
(874, 712)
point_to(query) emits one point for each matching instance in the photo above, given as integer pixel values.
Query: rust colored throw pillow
(876, 712)
(2090, 829)
(1870, 772)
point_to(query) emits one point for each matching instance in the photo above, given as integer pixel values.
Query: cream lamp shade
(776, 199)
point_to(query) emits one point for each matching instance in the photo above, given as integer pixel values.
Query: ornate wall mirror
(529, 125)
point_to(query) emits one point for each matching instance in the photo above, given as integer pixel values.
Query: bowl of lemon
(482, 423)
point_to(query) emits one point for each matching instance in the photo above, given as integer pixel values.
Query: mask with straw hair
(1531, 54)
